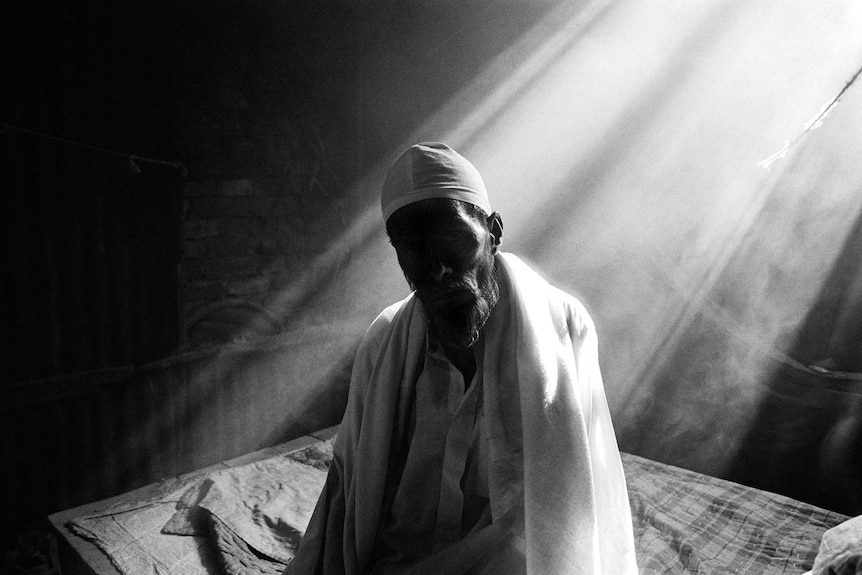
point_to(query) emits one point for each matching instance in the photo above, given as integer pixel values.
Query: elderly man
(477, 436)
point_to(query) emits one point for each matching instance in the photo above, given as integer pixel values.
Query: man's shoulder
(575, 312)
(557, 297)
(565, 298)
(385, 318)
(374, 340)
(382, 324)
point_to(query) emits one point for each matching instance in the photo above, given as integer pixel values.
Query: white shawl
(551, 443)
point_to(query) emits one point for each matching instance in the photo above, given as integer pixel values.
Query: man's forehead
(435, 208)
(433, 214)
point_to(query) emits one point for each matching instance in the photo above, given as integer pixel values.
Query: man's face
(447, 256)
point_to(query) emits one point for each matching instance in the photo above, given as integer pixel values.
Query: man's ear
(495, 226)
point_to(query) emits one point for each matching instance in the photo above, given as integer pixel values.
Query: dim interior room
(193, 243)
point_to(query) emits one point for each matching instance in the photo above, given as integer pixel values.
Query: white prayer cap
(432, 170)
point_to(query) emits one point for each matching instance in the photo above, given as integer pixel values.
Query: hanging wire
(134, 159)
(812, 124)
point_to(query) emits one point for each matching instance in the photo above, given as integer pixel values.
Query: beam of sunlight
(627, 170)
(621, 141)
(361, 249)
(360, 256)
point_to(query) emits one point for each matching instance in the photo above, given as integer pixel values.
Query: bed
(246, 517)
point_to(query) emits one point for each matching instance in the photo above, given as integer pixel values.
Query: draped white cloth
(553, 456)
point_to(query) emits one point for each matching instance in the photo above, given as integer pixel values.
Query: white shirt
(439, 487)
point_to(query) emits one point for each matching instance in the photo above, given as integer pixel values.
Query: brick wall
(268, 129)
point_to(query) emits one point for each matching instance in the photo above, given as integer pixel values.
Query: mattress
(249, 519)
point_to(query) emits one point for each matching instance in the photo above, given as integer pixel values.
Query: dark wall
(269, 129)
(185, 180)
(90, 233)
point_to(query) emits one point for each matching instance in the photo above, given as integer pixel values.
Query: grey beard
(460, 326)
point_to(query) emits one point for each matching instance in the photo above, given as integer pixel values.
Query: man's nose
(439, 269)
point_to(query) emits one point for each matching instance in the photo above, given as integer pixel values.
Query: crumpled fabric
(840, 551)
(245, 519)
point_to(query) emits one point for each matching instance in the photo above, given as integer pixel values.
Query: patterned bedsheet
(686, 522)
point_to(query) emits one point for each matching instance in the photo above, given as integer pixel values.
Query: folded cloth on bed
(547, 422)
(130, 535)
(840, 550)
(267, 504)
(245, 519)
(191, 518)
